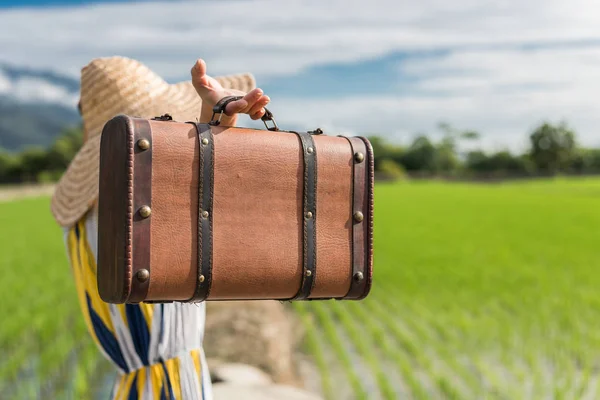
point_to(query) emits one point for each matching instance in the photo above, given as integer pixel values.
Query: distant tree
(36, 164)
(64, 149)
(392, 170)
(552, 146)
(420, 156)
(383, 150)
(593, 159)
(6, 163)
(32, 162)
(500, 163)
(446, 159)
(447, 156)
(584, 161)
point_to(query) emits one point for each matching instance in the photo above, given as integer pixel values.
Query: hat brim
(77, 190)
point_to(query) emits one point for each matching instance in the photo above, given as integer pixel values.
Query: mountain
(35, 106)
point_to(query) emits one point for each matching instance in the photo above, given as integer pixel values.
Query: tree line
(553, 149)
(38, 164)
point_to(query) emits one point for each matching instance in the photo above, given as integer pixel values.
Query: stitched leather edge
(309, 223)
(142, 196)
(129, 229)
(371, 193)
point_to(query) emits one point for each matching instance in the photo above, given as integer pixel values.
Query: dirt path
(14, 192)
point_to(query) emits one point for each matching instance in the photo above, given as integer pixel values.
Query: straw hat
(113, 86)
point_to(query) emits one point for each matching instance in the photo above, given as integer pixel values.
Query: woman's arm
(211, 92)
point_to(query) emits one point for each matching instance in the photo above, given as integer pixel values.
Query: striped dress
(155, 348)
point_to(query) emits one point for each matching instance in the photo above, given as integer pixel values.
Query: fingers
(236, 107)
(258, 114)
(246, 104)
(257, 109)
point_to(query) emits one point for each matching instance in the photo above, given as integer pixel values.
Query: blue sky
(53, 3)
(386, 66)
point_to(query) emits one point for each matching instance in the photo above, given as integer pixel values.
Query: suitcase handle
(219, 108)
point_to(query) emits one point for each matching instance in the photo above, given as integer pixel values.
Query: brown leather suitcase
(191, 212)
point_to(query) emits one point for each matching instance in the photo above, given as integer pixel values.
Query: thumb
(199, 77)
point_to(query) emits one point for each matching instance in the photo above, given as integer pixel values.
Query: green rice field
(481, 291)
(45, 349)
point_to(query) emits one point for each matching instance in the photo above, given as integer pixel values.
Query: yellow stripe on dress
(196, 357)
(121, 387)
(157, 379)
(141, 382)
(89, 280)
(148, 313)
(173, 369)
(76, 267)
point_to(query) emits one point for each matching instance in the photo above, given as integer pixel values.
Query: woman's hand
(211, 91)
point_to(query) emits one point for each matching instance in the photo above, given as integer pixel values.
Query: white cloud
(29, 89)
(482, 83)
(502, 94)
(279, 37)
(5, 84)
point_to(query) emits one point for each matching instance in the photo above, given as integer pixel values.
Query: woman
(156, 348)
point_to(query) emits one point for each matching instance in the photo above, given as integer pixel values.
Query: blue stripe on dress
(107, 340)
(77, 233)
(133, 392)
(139, 331)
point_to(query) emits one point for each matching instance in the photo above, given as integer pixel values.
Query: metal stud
(145, 211)
(359, 157)
(204, 214)
(310, 150)
(309, 215)
(205, 141)
(143, 144)
(201, 278)
(142, 275)
(358, 216)
(358, 276)
(308, 272)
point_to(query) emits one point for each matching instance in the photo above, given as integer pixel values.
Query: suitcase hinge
(164, 117)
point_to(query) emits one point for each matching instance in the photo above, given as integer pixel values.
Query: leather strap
(360, 217)
(219, 108)
(310, 215)
(205, 207)
(142, 197)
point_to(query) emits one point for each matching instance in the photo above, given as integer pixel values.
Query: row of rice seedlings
(395, 354)
(407, 344)
(12, 362)
(55, 354)
(365, 345)
(585, 362)
(389, 307)
(328, 326)
(314, 347)
(504, 332)
(489, 341)
(580, 390)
